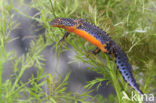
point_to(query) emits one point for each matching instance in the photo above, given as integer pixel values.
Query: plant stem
(16, 81)
(115, 82)
(1, 70)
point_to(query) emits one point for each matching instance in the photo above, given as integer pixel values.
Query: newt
(102, 41)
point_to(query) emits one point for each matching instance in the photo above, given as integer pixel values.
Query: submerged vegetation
(130, 23)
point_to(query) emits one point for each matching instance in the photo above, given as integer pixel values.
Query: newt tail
(102, 41)
(125, 68)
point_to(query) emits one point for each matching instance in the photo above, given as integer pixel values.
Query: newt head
(62, 22)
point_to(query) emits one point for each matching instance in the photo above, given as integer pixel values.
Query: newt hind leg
(96, 51)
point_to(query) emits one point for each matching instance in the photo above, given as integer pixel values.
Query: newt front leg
(64, 37)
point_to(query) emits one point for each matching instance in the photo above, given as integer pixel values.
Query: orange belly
(88, 37)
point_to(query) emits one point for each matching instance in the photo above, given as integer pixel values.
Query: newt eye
(59, 20)
(55, 22)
